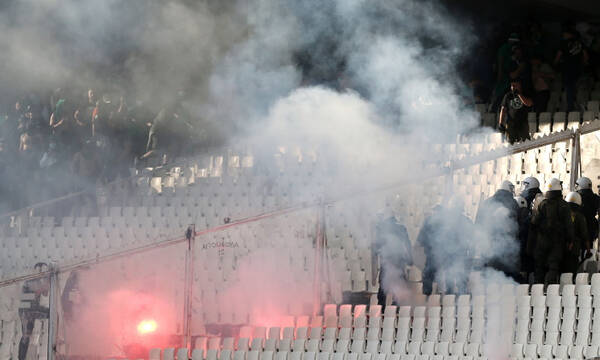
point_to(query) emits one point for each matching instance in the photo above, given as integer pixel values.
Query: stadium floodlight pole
(190, 235)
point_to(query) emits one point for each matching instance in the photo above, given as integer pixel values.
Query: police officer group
(532, 237)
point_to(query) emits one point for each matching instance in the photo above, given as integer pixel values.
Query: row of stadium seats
(198, 354)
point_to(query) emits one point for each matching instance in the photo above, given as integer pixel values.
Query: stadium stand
(528, 321)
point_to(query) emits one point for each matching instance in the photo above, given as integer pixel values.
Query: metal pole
(190, 235)
(53, 309)
(575, 159)
(318, 256)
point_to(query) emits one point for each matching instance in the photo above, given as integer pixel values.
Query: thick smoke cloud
(368, 86)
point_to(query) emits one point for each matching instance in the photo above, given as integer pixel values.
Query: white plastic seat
(274, 333)
(302, 332)
(239, 355)
(400, 347)
(324, 355)
(442, 348)
(182, 354)
(225, 355)
(359, 334)
(566, 278)
(342, 345)
(391, 311)
(473, 349)
(538, 289)
(517, 351)
(299, 344)
(211, 354)
(591, 351)
(228, 343)
(214, 343)
(582, 279)
(358, 346)
(197, 354)
(428, 348)
(582, 290)
(568, 290)
(530, 351)
(414, 348)
(242, 344)
(372, 346)
(560, 352)
(309, 355)
(313, 345)
(330, 333)
(284, 345)
(328, 345)
(154, 354)
(386, 346)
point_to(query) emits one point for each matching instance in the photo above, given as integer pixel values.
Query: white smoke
(386, 91)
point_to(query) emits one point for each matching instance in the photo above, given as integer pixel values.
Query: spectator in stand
(513, 113)
(581, 243)
(571, 58)
(541, 76)
(553, 228)
(590, 203)
(503, 69)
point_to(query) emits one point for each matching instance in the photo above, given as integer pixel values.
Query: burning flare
(146, 326)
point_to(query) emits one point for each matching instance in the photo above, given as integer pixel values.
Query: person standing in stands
(531, 187)
(571, 58)
(541, 76)
(503, 68)
(582, 241)
(551, 221)
(394, 250)
(498, 219)
(34, 291)
(590, 203)
(513, 113)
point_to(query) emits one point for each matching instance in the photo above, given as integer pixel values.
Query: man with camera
(513, 113)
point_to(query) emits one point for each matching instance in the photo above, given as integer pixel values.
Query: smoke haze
(369, 87)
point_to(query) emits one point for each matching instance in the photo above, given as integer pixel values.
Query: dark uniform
(553, 230)
(393, 246)
(529, 195)
(447, 250)
(524, 218)
(573, 251)
(498, 216)
(527, 261)
(31, 310)
(589, 207)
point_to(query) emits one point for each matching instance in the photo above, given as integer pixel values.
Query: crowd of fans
(526, 60)
(71, 140)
